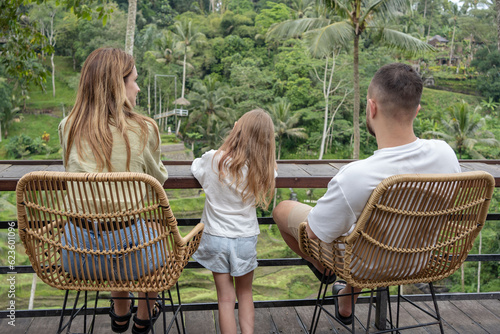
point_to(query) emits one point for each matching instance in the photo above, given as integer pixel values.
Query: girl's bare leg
(246, 312)
(226, 297)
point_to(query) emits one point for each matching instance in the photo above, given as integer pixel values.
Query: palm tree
(129, 37)
(463, 129)
(284, 122)
(455, 13)
(187, 37)
(302, 8)
(357, 16)
(213, 132)
(209, 98)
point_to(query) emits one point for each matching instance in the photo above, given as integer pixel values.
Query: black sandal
(119, 318)
(157, 310)
(340, 284)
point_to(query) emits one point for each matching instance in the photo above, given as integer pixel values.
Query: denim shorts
(236, 256)
(123, 266)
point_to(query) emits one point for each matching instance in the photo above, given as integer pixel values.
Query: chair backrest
(414, 228)
(101, 231)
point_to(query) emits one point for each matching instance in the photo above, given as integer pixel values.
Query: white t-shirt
(337, 211)
(225, 214)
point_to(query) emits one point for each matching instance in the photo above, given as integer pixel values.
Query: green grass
(434, 100)
(34, 126)
(66, 87)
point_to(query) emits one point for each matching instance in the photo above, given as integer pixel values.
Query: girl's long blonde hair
(102, 102)
(251, 143)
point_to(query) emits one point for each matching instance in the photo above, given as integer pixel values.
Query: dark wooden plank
(325, 323)
(17, 171)
(318, 170)
(4, 167)
(51, 324)
(291, 170)
(466, 167)
(476, 312)
(179, 170)
(197, 320)
(285, 320)
(263, 322)
(168, 315)
(493, 305)
(55, 168)
(337, 165)
(22, 325)
(405, 319)
(422, 318)
(492, 169)
(457, 318)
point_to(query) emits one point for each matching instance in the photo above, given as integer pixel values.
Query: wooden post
(381, 310)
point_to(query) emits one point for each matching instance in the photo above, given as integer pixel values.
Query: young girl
(236, 178)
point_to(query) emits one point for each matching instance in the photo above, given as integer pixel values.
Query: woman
(104, 134)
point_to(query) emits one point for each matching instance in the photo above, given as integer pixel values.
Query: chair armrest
(198, 229)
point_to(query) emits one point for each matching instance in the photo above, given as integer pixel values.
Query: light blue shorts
(123, 266)
(236, 256)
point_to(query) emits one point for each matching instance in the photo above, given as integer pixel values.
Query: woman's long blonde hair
(251, 143)
(102, 102)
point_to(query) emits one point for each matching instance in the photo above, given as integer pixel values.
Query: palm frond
(405, 42)
(295, 28)
(438, 134)
(385, 9)
(322, 41)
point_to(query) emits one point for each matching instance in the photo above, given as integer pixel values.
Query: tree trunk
(498, 23)
(129, 37)
(452, 41)
(425, 8)
(430, 24)
(149, 94)
(326, 94)
(184, 72)
(53, 74)
(355, 117)
(462, 276)
(52, 41)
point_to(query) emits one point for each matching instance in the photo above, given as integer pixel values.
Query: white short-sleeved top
(336, 213)
(225, 214)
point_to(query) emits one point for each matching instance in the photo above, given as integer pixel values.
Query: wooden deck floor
(464, 316)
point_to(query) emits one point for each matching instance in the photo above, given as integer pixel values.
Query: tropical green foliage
(464, 129)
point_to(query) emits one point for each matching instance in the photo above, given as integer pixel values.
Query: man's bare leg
(280, 215)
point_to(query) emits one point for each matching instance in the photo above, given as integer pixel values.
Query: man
(393, 101)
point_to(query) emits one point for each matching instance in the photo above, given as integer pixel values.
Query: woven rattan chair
(413, 229)
(56, 207)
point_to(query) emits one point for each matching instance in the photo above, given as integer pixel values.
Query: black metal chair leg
(319, 304)
(369, 312)
(431, 287)
(61, 319)
(180, 310)
(85, 313)
(92, 324)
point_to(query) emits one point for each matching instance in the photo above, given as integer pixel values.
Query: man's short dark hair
(398, 85)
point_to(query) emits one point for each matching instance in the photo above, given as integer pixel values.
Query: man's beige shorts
(297, 215)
